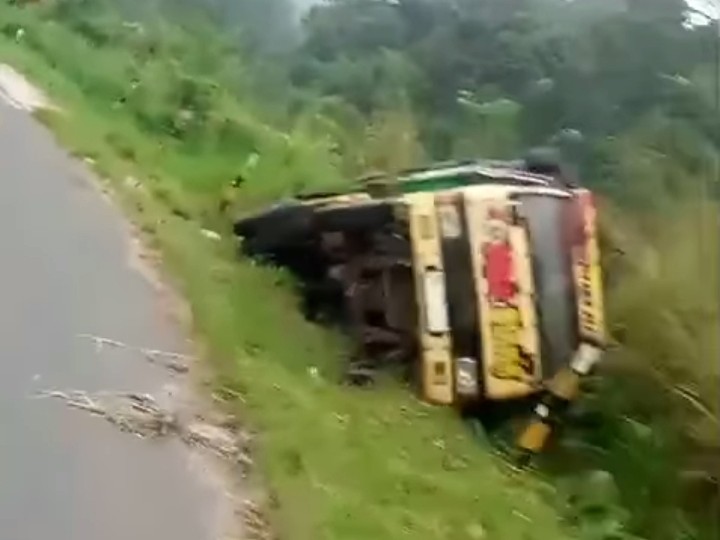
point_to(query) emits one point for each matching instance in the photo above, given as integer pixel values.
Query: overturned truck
(480, 280)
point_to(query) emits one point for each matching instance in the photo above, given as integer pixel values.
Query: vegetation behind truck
(480, 280)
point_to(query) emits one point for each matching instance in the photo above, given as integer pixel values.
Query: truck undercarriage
(359, 278)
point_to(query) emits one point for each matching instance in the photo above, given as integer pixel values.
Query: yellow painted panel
(526, 296)
(437, 362)
(504, 326)
(588, 275)
(535, 436)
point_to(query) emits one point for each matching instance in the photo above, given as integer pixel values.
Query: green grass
(338, 463)
(344, 463)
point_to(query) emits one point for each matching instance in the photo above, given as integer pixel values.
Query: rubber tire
(280, 226)
(361, 218)
(543, 160)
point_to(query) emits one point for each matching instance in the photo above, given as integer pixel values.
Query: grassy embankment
(341, 463)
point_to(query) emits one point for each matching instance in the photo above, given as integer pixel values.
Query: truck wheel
(355, 219)
(543, 160)
(281, 226)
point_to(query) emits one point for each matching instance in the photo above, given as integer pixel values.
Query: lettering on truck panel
(510, 367)
(525, 294)
(587, 272)
(510, 361)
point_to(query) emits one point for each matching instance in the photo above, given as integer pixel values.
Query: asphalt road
(65, 271)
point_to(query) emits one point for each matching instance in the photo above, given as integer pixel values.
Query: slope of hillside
(171, 112)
